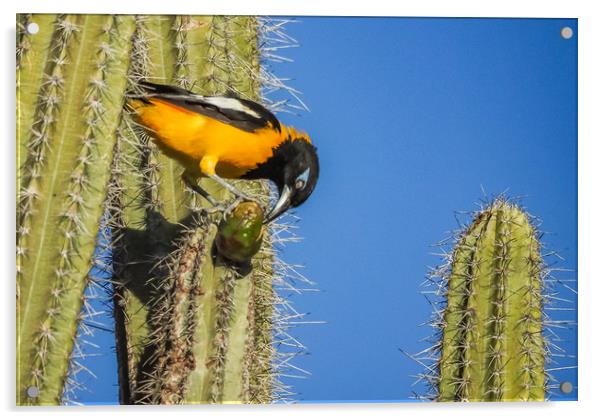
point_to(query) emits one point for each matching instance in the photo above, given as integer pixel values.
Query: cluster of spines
(218, 76)
(512, 359)
(180, 28)
(33, 53)
(23, 43)
(41, 133)
(277, 93)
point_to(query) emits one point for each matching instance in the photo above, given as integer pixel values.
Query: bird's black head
(294, 168)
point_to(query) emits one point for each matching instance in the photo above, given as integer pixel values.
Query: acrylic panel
(263, 210)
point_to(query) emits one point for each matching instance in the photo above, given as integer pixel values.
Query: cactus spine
(190, 327)
(492, 345)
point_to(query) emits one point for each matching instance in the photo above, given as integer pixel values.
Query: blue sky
(413, 119)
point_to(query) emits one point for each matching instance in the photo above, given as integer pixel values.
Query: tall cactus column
(70, 85)
(492, 345)
(183, 313)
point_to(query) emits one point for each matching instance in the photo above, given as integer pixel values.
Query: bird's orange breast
(188, 137)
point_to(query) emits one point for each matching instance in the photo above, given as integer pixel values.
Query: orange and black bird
(227, 137)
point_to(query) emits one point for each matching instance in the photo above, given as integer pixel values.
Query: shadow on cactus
(491, 342)
(199, 330)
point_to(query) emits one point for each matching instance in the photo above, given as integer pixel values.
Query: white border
(590, 161)
(507, 8)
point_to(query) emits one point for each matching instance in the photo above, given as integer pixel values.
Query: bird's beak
(283, 204)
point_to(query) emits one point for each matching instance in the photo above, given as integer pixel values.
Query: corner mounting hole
(566, 32)
(33, 28)
(566, 387)
(33, 392)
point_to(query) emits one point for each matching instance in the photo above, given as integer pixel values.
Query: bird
(227, 137)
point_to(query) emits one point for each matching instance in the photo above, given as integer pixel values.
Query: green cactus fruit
(492, 345)
(240, 233)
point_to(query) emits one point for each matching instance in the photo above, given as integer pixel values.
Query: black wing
(240, 113)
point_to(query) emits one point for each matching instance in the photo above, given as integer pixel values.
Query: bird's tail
(145, 89)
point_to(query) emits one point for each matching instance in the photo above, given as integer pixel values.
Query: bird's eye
(302, 179)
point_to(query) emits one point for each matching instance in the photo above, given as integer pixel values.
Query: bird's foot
(237, 193)
(216, 206)
(235, 204)
(190, 183)
(226, 207)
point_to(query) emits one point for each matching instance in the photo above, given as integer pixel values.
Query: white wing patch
(230, 103)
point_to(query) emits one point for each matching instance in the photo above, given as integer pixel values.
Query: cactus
(190, 326)
(167, 300)
(70, 80)
(201, 328)
(492, 345)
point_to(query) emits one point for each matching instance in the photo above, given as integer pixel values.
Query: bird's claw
(217, 208)
(226, 208)
(233, 205)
